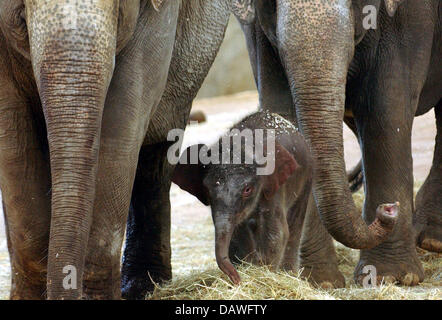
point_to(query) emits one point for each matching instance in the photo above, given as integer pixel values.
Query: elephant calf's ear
(157, 4)
(392, 6)
(285, 165)
(244, 10)
(189, 176)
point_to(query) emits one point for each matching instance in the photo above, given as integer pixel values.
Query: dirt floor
(192, 232)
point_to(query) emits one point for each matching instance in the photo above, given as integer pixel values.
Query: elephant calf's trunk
(223, 261)
(223, 236)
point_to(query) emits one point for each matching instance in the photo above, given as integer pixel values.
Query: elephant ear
(392, 6)
(244, 10)
(157, 4)
(285, 165)
(189, 176)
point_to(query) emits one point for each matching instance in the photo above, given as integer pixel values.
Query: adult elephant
(87, 88)
(315, 62)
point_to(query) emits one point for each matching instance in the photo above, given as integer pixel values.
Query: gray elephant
(87, 90)
(317, 63)
(259, 216)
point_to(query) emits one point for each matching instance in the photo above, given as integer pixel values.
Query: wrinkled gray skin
(315, 64)
(260, 218)
(87, 88)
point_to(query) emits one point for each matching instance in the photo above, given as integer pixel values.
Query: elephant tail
(355, 177)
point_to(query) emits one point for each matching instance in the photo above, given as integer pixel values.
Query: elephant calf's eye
(247, 191)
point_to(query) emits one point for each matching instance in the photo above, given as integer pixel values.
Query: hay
(196, 276)
(260, 283)
(257, 283)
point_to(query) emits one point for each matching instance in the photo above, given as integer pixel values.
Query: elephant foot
(29, 292)
(428, 225)
(137, 285)
(28, 279)
(325, 276)
(137, 288)
(388, 267)
(427, 219)
(105, 288)
(430, 239)
(101, 290)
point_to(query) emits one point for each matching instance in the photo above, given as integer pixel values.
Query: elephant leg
(136, 88)
(118, 176)
(317, 253)
(149, 217)
(25, 183)
(296, 218)
(118, 160)
(147, 254)
(384, 122)
(271, 81)
(102, 266)
(428, 217)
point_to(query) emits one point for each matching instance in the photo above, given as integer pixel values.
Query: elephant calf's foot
(326, 276)
(403, 269)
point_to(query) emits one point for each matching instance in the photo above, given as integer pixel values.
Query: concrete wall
(231, 71)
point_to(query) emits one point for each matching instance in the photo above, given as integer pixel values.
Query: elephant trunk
(223, 235)
(316, 50)
(73, 54)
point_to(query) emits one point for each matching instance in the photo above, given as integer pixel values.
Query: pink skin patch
(391, 209)
(388, 214)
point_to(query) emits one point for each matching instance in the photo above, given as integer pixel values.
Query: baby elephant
(257, 183)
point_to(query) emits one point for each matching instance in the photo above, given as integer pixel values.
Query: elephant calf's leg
(428, 217)
(317, 254)
(147, 255)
